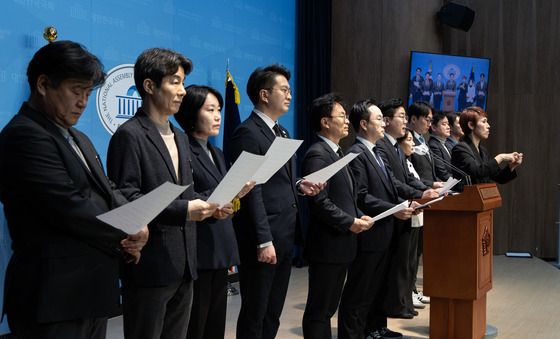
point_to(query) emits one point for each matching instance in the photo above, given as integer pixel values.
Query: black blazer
(479, 165)
(407, 185)
(424, 166)
(65, 261)
(270, 211)
(216, 244)
(138, 162)
(443, 171)
(332, 211)
(376, 194)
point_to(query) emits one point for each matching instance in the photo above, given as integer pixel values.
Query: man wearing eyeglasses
(267, 222)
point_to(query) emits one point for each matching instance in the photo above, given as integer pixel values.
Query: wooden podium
(458, 238)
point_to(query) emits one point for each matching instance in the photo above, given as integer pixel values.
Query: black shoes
(384, 333)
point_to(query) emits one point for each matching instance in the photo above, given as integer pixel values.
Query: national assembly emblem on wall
(117, 99)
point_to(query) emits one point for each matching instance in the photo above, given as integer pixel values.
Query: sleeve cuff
(266, 244)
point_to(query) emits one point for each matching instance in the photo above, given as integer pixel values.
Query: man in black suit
(62, 279)
(267, 222)
(427, 87)
(419, 121)
(481, 91)
(439, 86)
(335, 219)
(439, 132)
(398, 301)
(145, 152)
(365, 285)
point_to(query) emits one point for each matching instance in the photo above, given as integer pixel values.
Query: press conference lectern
(458, 239)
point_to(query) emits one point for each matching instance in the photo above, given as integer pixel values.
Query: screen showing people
(448, 82)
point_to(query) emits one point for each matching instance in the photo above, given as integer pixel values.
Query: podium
(449, 100)
(458, 237)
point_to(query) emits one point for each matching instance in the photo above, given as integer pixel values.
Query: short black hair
(360, 111)
(61, 60)
(264, 78)
(437, 117)
(419, 109)
(187, 116)
(451, 117)
(406, 132)
(155, 64)
(322, 107)
(389, 107)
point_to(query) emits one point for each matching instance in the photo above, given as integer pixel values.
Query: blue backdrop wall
(249, 33)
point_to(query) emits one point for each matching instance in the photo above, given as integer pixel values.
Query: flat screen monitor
(448, 82)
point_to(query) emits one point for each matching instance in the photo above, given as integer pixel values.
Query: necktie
(380, 161)
(77, 150)
(278, 131)
(422, 140)
(345, 169)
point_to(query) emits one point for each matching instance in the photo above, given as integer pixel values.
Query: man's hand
(360, 225)
(134, 243)
(199, 210)
(430, 193)
(407, 212)
(267, 255)
(308, 188)
(415, 204)
(246, 188)
(223, 212)
(437, 184)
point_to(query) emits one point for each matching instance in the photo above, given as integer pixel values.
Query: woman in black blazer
(473, 158)
(200, 117)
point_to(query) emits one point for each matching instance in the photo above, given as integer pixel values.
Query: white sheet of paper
(390, 211)
(281, 150)
(426, 204)
(448, 185)
(240, 172)
(323, 175)
(131, 217)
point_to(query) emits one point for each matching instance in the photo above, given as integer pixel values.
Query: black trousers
(263, 290)
(363, 294)
(326, 282)
(91, 328)
(208, 314)
(157, 312)
(398, 299)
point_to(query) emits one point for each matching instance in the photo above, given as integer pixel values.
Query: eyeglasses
(285, 90)
(343, 116)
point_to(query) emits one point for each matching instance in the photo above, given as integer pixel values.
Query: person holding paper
(365, 286)
(145, 152)
(398, 301)
(335, 219)
(62, 279)
(200, 117)
(417, 222)
(474, 159)
(267, 223)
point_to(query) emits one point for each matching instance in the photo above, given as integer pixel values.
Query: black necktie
(380, 161)
(278, 131)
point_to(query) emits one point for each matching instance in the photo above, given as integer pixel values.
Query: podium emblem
(486, 241)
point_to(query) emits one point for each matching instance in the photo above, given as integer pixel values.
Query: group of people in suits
(63, 278)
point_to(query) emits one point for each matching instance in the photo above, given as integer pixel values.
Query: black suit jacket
(479, 165)
(332, 211)
(443, 171)
(376, 194)
(407, 185)
(216, 243)
(270, 211)
(65, 262)
(138, 162)
(424, 166)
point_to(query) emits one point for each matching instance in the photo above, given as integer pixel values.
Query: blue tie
(380, 161)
